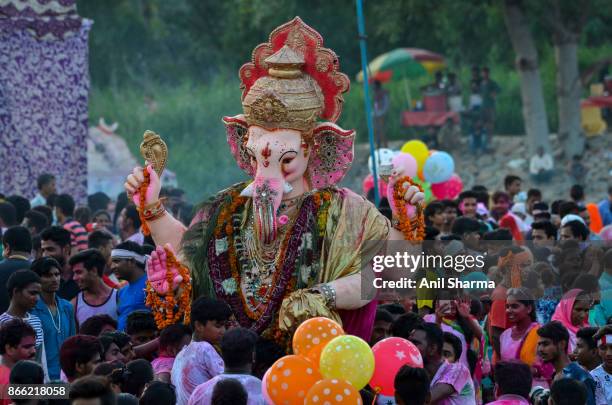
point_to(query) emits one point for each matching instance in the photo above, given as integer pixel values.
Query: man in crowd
(468, 201)
(574, 230)
(46, 187)
(543, 234)
(512, 185)
(17, 342)
(512, 383)
(489, 90)
(55, 243)
(468, 229)
(552, 348)
(79, 356)
(24, 289)
(434, 215)
(141, 327)
(603, 373)
(21, 204)
(541, 166)
(412, 386)
(128, 263)
(95, 297)
(64, 210)
(566, 391)
(92, 390)
(104, 242)
(35, 221)
(450, 382)
(449, 214)
(8, 216)
(382, 326)
(129, 225)
(585, 352)
(17, 244)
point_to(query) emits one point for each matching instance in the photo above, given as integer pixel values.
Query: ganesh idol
(288, 244)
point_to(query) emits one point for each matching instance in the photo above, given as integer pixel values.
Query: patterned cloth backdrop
(44, 85)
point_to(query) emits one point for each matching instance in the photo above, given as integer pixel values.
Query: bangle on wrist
(153, 211)
(329, 294)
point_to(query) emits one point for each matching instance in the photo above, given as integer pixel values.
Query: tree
(527, 65)
(566, 20)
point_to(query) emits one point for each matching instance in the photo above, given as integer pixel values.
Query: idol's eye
(287, 160)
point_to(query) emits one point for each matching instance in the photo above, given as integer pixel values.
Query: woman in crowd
(573, 313)
(520, 341)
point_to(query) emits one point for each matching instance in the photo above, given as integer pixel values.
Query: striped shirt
(78, 234)
(34, 322)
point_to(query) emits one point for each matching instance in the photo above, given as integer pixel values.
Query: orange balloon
(312, 336)
(332, 392)
(290, 378)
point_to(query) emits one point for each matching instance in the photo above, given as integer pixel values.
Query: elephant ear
(236, 128)
(332, 155)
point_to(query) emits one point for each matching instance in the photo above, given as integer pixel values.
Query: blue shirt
(574, 371)
(64, 320)
(605, 211)
(131, 298)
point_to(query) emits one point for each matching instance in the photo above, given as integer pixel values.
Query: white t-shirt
(538, 163)
(603, 386)
(197, 363)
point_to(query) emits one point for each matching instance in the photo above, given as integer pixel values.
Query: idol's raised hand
(134, 181)
(157, 269)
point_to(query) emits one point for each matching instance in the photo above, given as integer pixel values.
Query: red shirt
(78, 234)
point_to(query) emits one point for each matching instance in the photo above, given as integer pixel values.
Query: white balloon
(384, 156)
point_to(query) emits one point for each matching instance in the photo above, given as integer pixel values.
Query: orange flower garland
(164, 309)
(412, 230)
(143, 192)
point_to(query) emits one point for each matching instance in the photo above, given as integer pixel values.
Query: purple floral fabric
(44, 85)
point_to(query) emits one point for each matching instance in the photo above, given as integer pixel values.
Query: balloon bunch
(436, 169)
(433, 170)
(331, 367)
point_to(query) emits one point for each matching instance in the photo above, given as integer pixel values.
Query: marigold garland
(168, 310)
(141, 207)
(225, 228)
(414, 230)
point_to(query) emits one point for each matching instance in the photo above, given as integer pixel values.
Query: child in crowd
(171, 341)
(198, 362)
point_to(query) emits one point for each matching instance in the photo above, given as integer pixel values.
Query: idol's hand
(135, 180)
(157, 269)
(412, 195)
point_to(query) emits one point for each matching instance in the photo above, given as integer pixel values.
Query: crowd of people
(73, 307)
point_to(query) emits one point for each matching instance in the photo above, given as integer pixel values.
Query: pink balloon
(389, 356)
(264, 389)
(405, 162)
(449, 189)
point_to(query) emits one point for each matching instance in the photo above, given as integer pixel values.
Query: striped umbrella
(403, 63)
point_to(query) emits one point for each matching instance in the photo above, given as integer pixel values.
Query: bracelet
(153, 211)
(329, 294)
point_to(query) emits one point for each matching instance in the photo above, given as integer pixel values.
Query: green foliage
(188, 117)
(185, 55)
